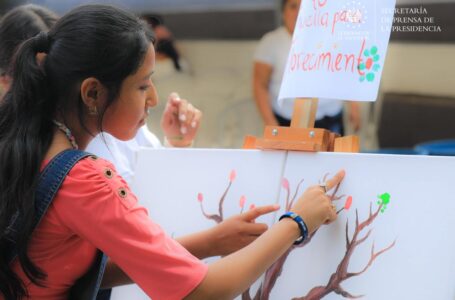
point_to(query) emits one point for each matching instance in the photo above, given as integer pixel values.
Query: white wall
(420, 68)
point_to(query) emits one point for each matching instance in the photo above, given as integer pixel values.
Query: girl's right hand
(315, 207)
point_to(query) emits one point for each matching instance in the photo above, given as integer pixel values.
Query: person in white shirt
(269, 64)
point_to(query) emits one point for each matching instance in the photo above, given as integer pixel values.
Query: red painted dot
(369, 63)
(348, 203)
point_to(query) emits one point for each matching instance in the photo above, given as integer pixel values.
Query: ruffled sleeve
(98, 206)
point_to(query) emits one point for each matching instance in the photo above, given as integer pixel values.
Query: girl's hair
(91, 41)
(18, 25)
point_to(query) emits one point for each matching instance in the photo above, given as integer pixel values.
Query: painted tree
(218, 218)
(341, 274)
(275, 271)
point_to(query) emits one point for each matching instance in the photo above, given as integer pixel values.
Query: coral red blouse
(94, 208)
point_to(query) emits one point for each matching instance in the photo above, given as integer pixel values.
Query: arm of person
(262, 74)
(227, 237)
(233, 274)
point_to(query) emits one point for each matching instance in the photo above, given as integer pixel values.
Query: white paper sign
(338, 49)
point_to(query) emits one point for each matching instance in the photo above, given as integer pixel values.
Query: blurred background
(216, 40)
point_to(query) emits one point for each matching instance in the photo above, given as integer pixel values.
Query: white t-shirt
(274, 50)
(123, 153)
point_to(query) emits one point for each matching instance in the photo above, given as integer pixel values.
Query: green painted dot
(384, 198)
(376, 67)
(362, 66)
(374, 50)
(370, 77)
(366, 52)
(362, 78)
(376, 57)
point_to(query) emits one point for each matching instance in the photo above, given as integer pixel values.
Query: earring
(93, 111)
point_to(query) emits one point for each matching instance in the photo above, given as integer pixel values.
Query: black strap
(49, 183)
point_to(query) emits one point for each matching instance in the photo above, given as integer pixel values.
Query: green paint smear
(384, 200)
(366, 52)
(374, 50)
(376, 57)
(370, 77)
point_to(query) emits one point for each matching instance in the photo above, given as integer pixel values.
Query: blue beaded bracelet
(301, 223)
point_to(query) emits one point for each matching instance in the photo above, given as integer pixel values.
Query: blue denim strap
(52, 178)
(49, 183)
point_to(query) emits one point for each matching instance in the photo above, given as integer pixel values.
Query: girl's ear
(5, 82)
(93, 94)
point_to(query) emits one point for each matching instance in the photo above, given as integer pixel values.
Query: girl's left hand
(180, 121)
(238, 231)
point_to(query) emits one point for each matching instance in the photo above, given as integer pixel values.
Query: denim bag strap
(51, 178)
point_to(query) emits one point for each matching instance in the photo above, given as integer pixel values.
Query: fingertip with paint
(183, 130)
(193, 124)
(174, 96)
(182, 118)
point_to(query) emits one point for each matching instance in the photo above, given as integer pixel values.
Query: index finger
(183, 108)
(259, 211)
(335, 180)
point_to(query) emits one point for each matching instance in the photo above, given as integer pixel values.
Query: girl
(24, 22)
(94, 77)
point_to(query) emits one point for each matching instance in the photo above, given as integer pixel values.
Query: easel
(301, 135)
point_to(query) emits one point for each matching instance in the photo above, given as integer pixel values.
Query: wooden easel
(301, 135)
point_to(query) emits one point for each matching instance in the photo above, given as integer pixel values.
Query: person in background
(94, 76)
(269, 64)
(17, 26)
(165, 43)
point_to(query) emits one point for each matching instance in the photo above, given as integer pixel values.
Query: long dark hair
(91, 41)
(17, 26)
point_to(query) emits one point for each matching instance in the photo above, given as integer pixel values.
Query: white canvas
(418, 222)
(338, 50)
(414, 230)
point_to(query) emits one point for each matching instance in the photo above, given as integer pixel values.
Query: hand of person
(180, 121)
(315, 207)
(239, 231)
